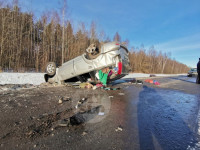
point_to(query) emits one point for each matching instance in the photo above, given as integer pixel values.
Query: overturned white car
(112, 55)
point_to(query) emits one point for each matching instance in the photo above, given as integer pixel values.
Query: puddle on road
(186, 79)
(169, 116)
(197, 144)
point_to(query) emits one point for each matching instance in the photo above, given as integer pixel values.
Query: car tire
(92, 52)
(51, 68)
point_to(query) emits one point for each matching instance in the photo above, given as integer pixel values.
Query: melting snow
(21, 78)
(38, 78)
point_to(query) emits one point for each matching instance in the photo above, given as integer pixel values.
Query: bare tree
(93, 36)
(26, 42)
(63, 28)
(117, 37)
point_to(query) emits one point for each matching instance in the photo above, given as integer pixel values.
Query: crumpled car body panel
(110, 55)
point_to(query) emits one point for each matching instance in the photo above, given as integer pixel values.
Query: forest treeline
(152, 61)
(27, 44)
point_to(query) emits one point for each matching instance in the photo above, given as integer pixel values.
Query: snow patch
(38, 78)
(22, 78)
(143, 75)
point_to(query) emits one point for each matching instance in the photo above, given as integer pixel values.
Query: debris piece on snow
(149, 81)
(133, 81)
(94, 87)
(99, 85)
(152, 81)
(156, 82)
(152, 75)
(86, 85)
(139, 82)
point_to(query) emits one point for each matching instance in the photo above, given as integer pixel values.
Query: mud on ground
(29, 113)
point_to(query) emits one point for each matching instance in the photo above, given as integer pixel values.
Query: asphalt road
(138, 116)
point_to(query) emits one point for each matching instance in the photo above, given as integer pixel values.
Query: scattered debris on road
(152, 81)
(109, 88)
(80, 102)
(119, 128)
(84, 133)
(60, 101)
(134, 81)
(63, 123)
(139, 82)
(152, 75)
(86, 85)
(101, 113)
(64, 99)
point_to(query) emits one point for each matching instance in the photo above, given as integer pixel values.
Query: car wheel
(51, 68)
(90, 56)
(92, 52)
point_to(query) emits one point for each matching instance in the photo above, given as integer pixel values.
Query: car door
(81, 65)
(66, 71)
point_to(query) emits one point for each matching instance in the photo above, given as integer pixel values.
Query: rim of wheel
(50, 68)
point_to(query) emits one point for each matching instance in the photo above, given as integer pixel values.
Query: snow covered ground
(38, 78)
(182, 77)
(21, 78)
(188, 79)
(144, 75)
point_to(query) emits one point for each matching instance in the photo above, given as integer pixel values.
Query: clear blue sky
(170, 25)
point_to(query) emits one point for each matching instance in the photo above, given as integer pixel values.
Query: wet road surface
(139, 116)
